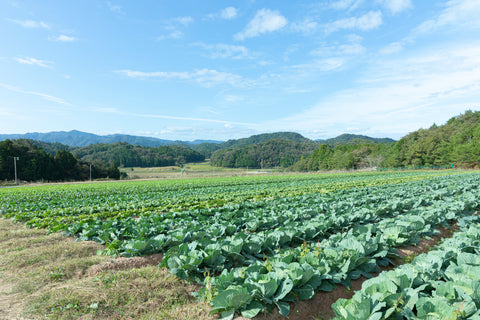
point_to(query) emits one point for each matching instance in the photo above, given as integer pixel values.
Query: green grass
(191, 170)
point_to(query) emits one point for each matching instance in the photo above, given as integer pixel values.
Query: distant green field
(191, 170)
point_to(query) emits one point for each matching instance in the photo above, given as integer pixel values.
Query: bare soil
(123, 263)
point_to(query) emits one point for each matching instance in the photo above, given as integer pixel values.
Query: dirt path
(10, 304)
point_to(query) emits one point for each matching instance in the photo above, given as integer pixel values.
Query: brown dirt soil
(426, 244)
(320, 306)
(123, 263)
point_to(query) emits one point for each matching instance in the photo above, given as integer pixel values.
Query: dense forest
(348, 138)
(269, 154)
(455, 143)
(127, 155)
(35, 164)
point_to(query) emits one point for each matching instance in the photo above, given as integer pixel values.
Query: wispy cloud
(396, 6)
(174, 26)
(368, 21)
(396, 96)
(306, 26)
(340, 50)
(225, 51)
(227, 14)
(41, 95)
(346, 4)
(168, 117)
(323, 65)
(175, 34)
(457, 14)
(231, 98)
(265, 21)
(393, 47)
(35, 62)
(115, 8)
(63, 38)
(185, 21)
(204, 77)
(31, 24)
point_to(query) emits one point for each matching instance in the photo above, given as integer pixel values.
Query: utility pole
(90, 172)
(15, 165)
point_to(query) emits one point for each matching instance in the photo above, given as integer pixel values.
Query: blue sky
(220, 70)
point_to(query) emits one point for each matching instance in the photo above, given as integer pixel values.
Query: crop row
(441, 284)
(265, 225)
(296, 273)
(78, 202)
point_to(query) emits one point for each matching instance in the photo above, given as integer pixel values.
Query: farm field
(193, 170)
(243, 245)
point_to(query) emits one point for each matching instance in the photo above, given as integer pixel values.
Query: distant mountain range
(77, 138)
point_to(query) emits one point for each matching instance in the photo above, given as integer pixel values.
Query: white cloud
(396, 6)
(232, 98)
(368, 21)
(346, 4)
(42, 95)
(351, 48)
(393, 47)
(396, 96)
(228, 13)
(31, 24)
(185, 21)
(35, 62)
(225, 51)
(173, 26)
(162, 116)
(63, 38)
(306, 26)
(265, 21)
(115, 8)
(323, 65)
(204, 77)
(457, 13)
(175, 34)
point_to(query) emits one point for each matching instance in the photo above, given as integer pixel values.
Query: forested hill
(259, 138)
(456, 142)
(269, 154)
(348, 138)
(128, 155)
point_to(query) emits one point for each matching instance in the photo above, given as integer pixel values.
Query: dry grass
(58, 278)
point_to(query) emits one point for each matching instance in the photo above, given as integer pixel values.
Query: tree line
(127, 155)
(455, 143)
(35, 164)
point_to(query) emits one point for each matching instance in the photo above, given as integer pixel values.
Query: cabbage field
(263, 242)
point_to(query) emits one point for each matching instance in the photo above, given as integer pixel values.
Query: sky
(186, 70)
